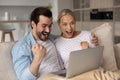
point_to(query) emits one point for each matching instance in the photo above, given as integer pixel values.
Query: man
(35, 54)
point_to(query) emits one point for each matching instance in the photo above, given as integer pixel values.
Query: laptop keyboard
(60, 73)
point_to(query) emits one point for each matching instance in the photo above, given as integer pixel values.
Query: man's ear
(33, 24)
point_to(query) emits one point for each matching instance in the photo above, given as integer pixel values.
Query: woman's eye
(64, 24)
(72, 23)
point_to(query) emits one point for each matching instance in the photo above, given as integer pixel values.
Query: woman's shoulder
(85, 32)
(58, 39)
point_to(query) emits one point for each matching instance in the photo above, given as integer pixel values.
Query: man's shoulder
(21, 48)
(23, 43)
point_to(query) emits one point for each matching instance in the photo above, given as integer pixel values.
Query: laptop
(81, 61)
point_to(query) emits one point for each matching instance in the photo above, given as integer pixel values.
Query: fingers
(39, 52)
(93, 35)
(84, 44)
(94, 39)
(36, 46)
(37, 49)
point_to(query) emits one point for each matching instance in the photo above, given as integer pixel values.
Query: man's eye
(44, 26)
(50, 26)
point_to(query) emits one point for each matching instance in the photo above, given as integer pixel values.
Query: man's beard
(44, 34)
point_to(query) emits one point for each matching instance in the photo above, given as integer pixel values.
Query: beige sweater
(98, 74)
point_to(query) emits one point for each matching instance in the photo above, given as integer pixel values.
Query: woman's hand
(94, 39)
(84, 44)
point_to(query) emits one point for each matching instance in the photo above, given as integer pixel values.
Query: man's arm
(21, 63)
(39, 53)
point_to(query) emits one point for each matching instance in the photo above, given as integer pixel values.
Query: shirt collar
(31, 38)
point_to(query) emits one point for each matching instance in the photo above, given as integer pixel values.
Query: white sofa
(111, 54)
(6, 67)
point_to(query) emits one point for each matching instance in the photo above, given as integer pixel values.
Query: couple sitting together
(37, 54)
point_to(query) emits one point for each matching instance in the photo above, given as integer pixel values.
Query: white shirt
(65, 45)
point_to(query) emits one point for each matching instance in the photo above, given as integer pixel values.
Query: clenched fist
(39, 52)
(84, 44)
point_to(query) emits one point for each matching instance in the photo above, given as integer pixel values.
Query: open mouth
(69, 32)
(45, 34)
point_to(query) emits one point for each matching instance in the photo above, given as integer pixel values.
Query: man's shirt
(22, 58)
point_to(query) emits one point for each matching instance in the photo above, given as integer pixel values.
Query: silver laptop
(83, 61)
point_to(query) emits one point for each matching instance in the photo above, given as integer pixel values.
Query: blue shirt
(23, 56)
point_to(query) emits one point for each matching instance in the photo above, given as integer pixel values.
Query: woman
(70, 39)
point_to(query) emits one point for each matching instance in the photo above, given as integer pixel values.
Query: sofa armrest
(117, 54)
(6, 66)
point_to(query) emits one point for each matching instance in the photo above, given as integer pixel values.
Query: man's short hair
(40, 11)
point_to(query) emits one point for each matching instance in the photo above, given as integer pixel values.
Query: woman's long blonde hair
(63, 13)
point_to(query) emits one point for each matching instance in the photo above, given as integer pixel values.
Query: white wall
(54, 9)
(58, 5)
(62, 4)
(88, 25)
(117, 28)
(20, 13)
(24, 2)
(101, 3)
(21, 10)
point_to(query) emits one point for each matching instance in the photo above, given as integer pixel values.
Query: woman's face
(67, 26)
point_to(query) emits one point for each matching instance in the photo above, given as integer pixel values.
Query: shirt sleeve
(21, 63)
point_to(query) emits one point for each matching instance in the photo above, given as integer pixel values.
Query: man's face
(43, 28)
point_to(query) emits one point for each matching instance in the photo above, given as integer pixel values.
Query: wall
(87, 24)
(62, 4)
(117, 28)
(19, 10)
(58, 5)
(24, 2)
(101, 3)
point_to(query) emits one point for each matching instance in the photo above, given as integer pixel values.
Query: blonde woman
(70, 39)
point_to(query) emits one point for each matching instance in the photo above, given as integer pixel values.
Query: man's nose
(47, 29)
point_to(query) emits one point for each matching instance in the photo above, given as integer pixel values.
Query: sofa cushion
(117, 54)
(97, 74)
(105, 38)
(6, 67)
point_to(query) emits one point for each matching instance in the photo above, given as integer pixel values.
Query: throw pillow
(117, 54)
(105, 38)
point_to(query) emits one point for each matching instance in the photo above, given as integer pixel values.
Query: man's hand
(94, 39)
(39, 52)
